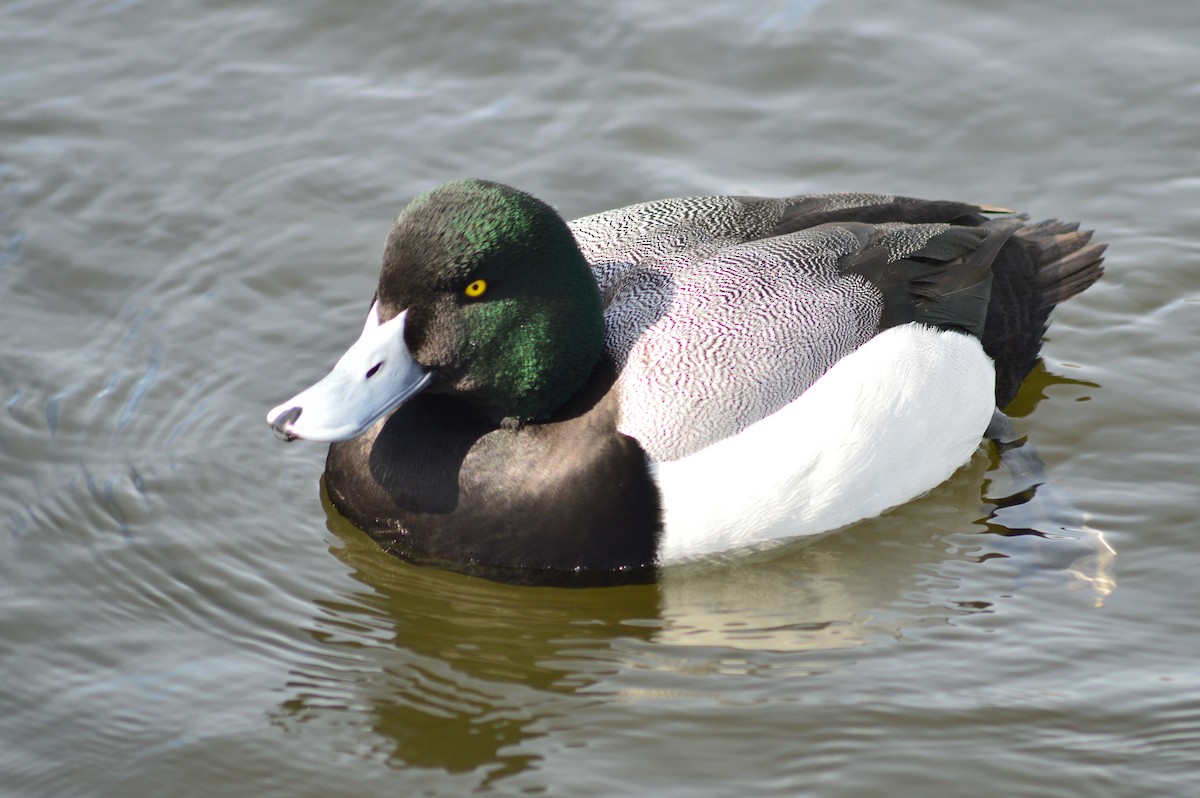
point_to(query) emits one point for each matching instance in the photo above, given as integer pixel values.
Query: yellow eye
(476, 288)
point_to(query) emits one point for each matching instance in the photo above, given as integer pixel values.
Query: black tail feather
(1042, 265)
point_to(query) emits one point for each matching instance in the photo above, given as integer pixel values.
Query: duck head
(483, 295)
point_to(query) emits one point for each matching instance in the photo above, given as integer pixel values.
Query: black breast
(567, 502)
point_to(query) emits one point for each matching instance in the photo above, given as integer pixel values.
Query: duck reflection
(1032, 521)
(432, 669)
(451, 671)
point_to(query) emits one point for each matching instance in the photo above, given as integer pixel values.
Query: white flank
(885, 424)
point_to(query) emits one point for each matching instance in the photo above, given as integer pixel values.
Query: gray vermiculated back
(709, 325)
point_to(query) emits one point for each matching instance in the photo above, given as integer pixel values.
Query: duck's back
(722, 310)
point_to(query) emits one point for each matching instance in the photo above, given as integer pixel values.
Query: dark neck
(570, 501)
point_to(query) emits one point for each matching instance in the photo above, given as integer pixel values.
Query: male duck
(549, 402)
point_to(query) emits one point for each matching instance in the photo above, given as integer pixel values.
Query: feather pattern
(712, 324)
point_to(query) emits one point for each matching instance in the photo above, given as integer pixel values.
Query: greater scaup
(540, 401)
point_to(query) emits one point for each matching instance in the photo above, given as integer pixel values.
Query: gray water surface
(193, 201)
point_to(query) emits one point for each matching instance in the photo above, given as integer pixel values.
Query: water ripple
(139, 389)
(12, 249)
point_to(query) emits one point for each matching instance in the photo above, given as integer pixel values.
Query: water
(193, 199)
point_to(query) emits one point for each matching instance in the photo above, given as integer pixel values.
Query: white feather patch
(888, 422)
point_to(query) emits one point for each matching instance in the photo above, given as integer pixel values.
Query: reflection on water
(460, 674)
(1040, 525)
(452, 671)
(1032, 520)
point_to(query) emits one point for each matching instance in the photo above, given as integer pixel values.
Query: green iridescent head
(501, 303)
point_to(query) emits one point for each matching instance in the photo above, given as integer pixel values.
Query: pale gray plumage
(710, 322)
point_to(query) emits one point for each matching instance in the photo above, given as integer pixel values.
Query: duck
(546, 402)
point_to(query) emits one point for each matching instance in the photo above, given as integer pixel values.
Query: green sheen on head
(522, 345)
